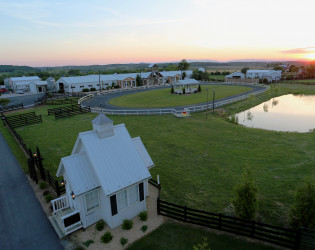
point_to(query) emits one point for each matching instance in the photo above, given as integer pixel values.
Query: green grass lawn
(175, 236)
(217, 77)
(201, 160)
(163, 98)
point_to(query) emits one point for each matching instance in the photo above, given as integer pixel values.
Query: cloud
(299, 50)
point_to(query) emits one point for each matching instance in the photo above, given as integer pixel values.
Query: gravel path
(153, 222)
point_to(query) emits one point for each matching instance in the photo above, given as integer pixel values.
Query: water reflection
(295, 113)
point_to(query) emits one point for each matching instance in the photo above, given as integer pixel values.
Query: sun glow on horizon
(310, 56)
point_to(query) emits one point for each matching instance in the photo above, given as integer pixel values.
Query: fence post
(57, 188)
(252, 232)
(185, 213)
(220, 221)
(298, 239)
(22, 105)
(158, 206)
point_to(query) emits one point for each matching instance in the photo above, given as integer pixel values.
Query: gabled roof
(186, 82)
(25, 78)
(143, 152)
(80, 174)
(115, 160)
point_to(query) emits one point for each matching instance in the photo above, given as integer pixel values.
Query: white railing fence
(189, 109)
(60, 203)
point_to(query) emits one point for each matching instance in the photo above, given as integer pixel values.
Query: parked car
(3, 90)
(19, 91)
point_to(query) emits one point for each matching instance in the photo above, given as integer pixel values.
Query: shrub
(302, 213)
(88, 243)
(202, 246)
(92, 89)
(123, 241)
(48, 197)
(106, 237)
(85, 90)
(143, 215)
(199, 88)
(42, 185)
(144, 228)
(116, 87)
(184, 91)
(245, 202)
(100, 225)
(172, 90)
(127, 224)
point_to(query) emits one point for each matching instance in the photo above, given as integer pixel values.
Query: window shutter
(141, 191)
(113, 204)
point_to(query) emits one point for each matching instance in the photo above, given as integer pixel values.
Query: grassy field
(163, 98)
(201, 160)
(177, 236)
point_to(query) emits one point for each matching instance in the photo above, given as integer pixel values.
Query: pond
(290, 113)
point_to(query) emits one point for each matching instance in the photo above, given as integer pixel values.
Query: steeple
(103, 126)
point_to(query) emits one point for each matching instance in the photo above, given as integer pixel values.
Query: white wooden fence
(190, 109)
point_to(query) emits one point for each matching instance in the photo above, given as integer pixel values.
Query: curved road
(103, 100)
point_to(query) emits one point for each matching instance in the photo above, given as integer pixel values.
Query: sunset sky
(53, 33)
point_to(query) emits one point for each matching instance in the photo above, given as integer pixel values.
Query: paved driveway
(27, 98)
(23, 223)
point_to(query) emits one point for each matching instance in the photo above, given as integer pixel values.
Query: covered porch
(64, 219)
(190, 86)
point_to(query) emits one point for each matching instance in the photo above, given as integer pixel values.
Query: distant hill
(17, 69)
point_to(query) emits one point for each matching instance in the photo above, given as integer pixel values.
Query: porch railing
(73, 223)
(60, 203)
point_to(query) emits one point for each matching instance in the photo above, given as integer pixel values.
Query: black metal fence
(61, 101)
(23, 119)
(290, 238)
(63, 112)
(34, 162)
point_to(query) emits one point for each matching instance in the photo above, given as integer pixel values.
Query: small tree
(302, 213)
(199, 88)
(4, 102)
(244, 70)
(172, 90)
(245, 202)
(184, 75)
(184, 91)
(139, 80)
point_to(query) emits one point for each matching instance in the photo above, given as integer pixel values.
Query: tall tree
(244, 70)
(245, 202)
(4, 102)
(183, 65)
(139, 81)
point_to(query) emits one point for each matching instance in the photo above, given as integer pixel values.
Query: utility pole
(213, 101)
(99, 80)
(207, 104)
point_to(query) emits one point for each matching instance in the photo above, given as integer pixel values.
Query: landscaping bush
(184, 91)
(88, 243)
(199, 88)
(143, 215)
(48, 197)
(144, 228)
(85, 90)
(100, 225)
(123, 241)
(245, 202)
(92, 89)
(127, 224)
(302, 213)
(116, 87)
(42, 185)
(106, 237)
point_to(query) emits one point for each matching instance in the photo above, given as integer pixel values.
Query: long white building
(270, 75)
(78, 83)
